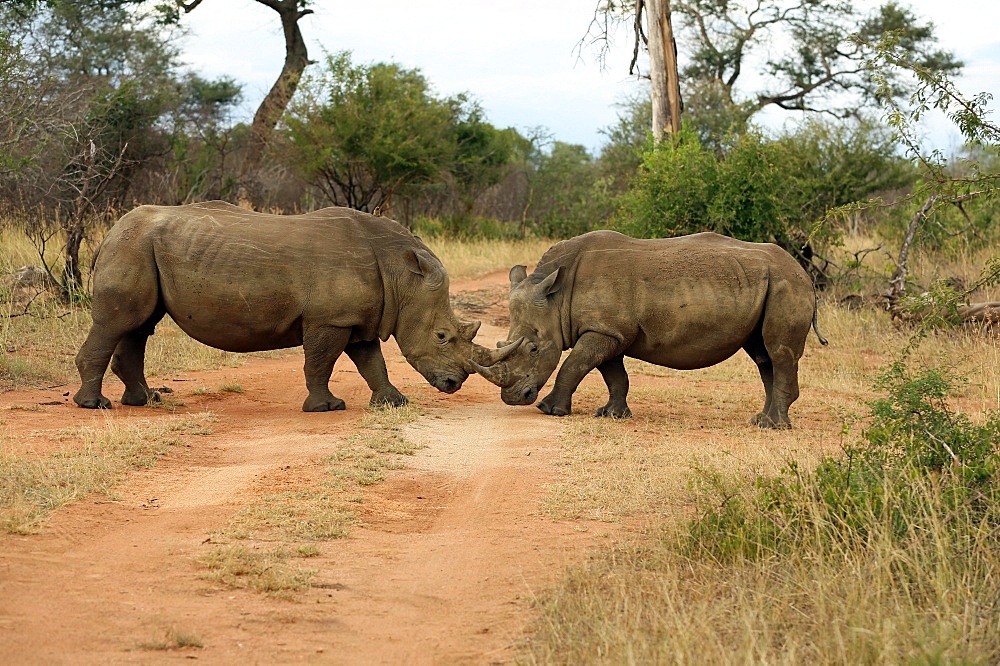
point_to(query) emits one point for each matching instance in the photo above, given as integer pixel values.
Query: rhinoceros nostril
(529, 394)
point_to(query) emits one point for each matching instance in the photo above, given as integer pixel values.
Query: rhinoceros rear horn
(469, 329)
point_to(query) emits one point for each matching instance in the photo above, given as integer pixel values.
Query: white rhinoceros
(333, 280)
(683, 303)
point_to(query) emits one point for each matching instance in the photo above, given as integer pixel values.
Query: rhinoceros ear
(550, 285)
(423, 265)
(517, 275)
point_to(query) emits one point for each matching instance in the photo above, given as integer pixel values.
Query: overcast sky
(521, 59)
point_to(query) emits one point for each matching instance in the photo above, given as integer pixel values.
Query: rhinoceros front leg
(322, 346)
(367, 356)
(590, 351)
(616, 378)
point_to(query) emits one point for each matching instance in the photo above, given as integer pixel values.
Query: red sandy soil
(442, 567)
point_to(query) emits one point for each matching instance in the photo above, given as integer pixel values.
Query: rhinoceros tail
(823, 341)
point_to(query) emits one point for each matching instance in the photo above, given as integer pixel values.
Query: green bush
(878, 487)
(672, 192)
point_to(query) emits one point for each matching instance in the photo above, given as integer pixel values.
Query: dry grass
(641, 603)
(470, 259)
(644, 601)
(95, 460)
(276, 528)
(262, 569)
(171, 639)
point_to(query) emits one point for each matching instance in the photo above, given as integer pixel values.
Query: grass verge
(886, 553)
(31, 487)
(262, 547)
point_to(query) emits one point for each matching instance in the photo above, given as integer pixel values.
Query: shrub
(878, 488)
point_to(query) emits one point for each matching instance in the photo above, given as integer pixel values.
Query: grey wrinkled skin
(682, 303)
(333, 281)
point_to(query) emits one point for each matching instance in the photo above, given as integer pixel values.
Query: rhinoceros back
(685, 302)
(245, 281)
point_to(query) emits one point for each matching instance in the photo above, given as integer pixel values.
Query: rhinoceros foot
(100, 402)
(388, 399)
(140, 397)
(330, 404)
(762, 420)
(614, 412)
(555, 407)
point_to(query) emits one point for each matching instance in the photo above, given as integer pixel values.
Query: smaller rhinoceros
(335, 280)
(683, 303)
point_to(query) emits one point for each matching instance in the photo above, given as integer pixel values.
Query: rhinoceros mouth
(447, 384)
(521, 396)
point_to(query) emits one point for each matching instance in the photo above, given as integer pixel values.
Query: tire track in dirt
(456, 586)
(442, 569)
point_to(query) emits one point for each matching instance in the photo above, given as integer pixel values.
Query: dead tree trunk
(987, 313)
(271, 109)
(897, 283)
(666, 96)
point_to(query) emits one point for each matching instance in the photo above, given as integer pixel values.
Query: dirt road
(441, 568)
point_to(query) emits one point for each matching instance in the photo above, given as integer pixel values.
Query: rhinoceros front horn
(498, 374)
(490, 363)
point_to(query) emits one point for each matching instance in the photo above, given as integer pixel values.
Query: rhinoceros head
(536, 332)
(431, 337)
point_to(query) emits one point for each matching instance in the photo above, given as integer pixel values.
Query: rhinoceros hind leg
(100, 402)
(613, 372)
(756, 350)
(140, 399)
(129, 361)
(611, 412)
(367, 356)
(396, 399)
(92, 361)
(762, 420)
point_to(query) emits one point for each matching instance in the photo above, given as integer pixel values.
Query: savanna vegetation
(882, 551)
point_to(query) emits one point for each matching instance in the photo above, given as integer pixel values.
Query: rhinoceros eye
(533, 349)
(441, 336)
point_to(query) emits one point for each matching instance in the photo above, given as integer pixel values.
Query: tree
(361, 133)
(273, 106)
(204, 139)
(666, 92)
(482, 152)
(570, 198)
(96, 106)
(941, 187)
(104, 78)
(820, 68)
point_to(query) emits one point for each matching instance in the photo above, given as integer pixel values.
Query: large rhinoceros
(333, 280)
(683, 303)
